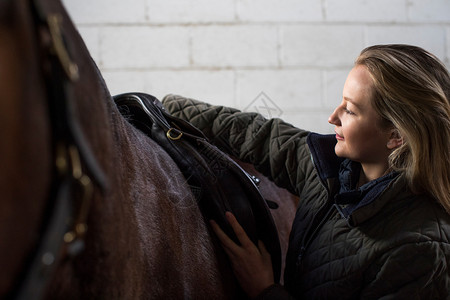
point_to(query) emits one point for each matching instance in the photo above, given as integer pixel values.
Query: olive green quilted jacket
(394, 247)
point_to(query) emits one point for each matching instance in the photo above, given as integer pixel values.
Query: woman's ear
(395, 139)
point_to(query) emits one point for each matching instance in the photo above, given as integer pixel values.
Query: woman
(374, 214)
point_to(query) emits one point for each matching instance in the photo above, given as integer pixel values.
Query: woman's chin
(339, 151)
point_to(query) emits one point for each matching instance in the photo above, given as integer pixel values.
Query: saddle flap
(218, 182)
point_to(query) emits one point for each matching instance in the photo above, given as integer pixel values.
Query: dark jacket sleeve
(276, 149)
(415, 270)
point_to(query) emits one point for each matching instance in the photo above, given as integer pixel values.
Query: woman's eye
(348, 111)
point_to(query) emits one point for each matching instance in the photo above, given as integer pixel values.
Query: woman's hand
(252, 265)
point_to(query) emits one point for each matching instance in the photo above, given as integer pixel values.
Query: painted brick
(106, 11)
(124, 81)
(279, 11)
(215, 87)
(287, 90)
(298, 52)
(431, 38)
(316, 121)
(429, 11)
(334, 84)
(320, 45)
(192, 11)
(91, 38)
(447, 59)
(144, 47)
(212, 87)
(234, 46)
(366, 10)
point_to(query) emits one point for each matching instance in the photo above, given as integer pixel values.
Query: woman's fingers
(239, 231)
(228, 244)
(251, 265)
(242, 236)
(264, 253)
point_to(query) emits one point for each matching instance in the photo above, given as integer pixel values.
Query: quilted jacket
(378, 241)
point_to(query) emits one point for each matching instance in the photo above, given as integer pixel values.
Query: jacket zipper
(312, 229)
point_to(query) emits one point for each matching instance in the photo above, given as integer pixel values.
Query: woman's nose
(334, 117)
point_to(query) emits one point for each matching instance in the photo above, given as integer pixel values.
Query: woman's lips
(339, 137)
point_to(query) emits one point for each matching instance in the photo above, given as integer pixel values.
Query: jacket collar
(351, 198)
(354, 204)
(323, 155)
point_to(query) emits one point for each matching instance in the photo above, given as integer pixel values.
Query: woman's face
(357, 125)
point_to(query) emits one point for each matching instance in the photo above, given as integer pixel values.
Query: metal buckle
(70, 68)
(85, 185)
(173, 138)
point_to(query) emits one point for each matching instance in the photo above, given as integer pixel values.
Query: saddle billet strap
(72, 188)
(223, 184)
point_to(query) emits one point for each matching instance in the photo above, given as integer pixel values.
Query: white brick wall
(276, 11)
(289, 55)
(143, 47)
(190, 11)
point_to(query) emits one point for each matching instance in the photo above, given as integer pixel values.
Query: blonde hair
(411, 93)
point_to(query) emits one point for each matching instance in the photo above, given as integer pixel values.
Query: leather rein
(75, 172)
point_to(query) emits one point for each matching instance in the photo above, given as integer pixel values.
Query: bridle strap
(75, 172)
(42, 267)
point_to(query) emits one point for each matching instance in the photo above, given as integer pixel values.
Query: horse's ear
(395, 139)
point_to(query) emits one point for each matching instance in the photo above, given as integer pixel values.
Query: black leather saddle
(218, 182)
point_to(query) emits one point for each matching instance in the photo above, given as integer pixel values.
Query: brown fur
(146, 237)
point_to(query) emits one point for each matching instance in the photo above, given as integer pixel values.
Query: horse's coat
(146, 237)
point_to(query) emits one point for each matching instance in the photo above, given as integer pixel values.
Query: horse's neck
(113, 247)
(24, 149)
(145, 233)
(27, 147)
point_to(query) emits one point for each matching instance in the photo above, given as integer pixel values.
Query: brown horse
(145, 235)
